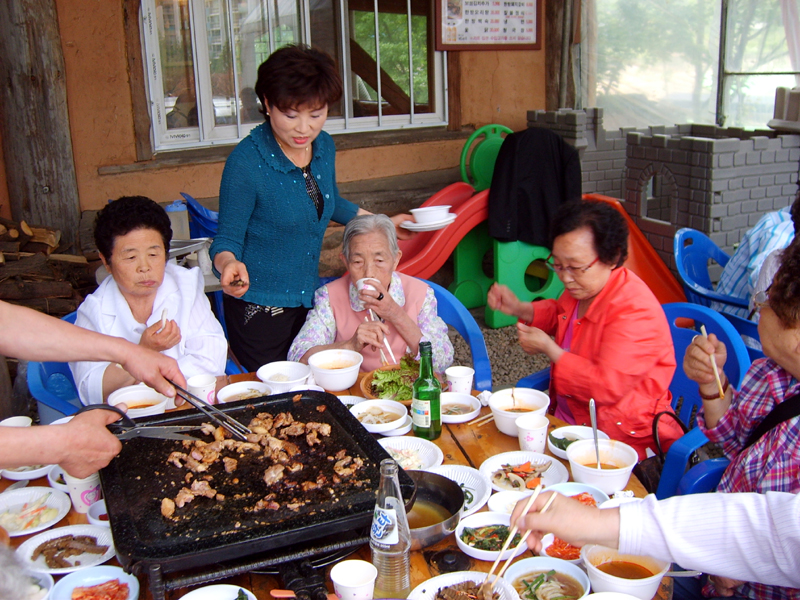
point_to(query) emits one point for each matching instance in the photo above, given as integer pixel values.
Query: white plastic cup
(84, 492)
(460, 379)
(532, 432)
(16, 422)
(354, 579)
(204, 387)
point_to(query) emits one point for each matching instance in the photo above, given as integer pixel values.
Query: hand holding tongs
(212, 412)
(127, 428)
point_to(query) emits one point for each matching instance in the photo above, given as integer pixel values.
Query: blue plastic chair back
(685, 394)
(452, 312)
(53, 387)
(704, 477)
(231, 368)
(749, 329)
(203, 222)
(693, 250)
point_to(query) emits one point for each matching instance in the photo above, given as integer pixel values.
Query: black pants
(259, 335)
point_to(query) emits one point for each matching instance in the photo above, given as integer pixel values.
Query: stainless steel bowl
(444, 492)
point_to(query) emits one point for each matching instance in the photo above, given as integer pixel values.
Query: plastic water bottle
(426, 409)
(390, 538)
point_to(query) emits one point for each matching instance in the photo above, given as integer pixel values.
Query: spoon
(513, 399)
(593, 417)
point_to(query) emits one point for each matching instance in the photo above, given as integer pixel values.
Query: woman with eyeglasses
(612, 340)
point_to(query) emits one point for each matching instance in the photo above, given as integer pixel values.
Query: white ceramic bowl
(483, 519)
(44, 580)
(547, 563)
(573, 488)
(389, 406)
(57, 480)
(94, 576)
(535, 401)
(337, 369)
(475, 485)
(243, 390)
(430, 214)
(504, 502)
(141, 400)
(97, 510)
(573, 431)
(288, 374)
(349, 401)
(427, 590)
(547, 541)
(644, 589)
(413, 450)
(612, 452)
(402, 430)
(218, 592)
(465, 402)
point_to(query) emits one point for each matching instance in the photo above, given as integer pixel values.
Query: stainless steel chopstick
(213, 413)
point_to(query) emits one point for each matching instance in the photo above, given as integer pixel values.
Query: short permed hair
(127, 214)
(298, 75)
(607, 225)
(364, 224)
(784, 293)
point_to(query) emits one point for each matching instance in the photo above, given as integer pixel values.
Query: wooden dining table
(461, 444)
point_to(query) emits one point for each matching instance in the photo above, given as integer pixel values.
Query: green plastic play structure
(478, 173)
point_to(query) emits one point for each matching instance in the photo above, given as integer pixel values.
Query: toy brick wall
(716, 180)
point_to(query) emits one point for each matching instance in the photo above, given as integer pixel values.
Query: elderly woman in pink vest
(398, 307)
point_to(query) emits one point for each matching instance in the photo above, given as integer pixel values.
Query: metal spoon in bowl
(593, 417)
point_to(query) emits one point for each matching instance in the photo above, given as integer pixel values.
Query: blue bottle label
(384, 526)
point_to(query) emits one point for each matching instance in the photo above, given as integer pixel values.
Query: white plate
(412, 226)
(573, 488)
(547, 541)
(94, 576)
(14, 500)
(505, 501)
(470, 480)
(464, 399)
(217, 592)
(402, 430)
(429, 453)
(103, 535)
(389, 406)
(349, 401)
(29, 474)
(579, 431)
(428, 589)
(556, 474)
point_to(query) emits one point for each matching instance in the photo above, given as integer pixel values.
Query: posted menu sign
(487, 24)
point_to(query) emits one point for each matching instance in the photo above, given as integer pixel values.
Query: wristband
(716, 396)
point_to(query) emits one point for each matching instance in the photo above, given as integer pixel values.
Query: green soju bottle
(426, 412)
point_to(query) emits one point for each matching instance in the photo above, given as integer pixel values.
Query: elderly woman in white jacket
(146, 300)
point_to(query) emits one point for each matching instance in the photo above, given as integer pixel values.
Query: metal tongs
(128, 429)
(212, 412)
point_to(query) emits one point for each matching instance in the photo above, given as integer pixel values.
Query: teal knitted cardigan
(267, 220)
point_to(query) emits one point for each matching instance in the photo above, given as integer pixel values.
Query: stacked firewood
(35, 271)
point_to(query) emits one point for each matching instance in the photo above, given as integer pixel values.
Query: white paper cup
(354, 579)
(532, 432)
(16, 422)
(84, 492)
(363, 284)
(204, 387)
(460, 379)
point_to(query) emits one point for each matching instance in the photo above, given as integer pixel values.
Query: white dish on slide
(412, 226)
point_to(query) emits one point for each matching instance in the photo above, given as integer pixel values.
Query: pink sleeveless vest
(347, 320)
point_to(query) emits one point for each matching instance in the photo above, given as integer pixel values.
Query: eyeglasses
(760, 300)
(574, 271)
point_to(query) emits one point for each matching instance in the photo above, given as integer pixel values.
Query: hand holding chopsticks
(212, 412)
(714, 366)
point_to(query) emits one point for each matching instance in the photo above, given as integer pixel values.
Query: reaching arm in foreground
(31, 335)
(750, 537)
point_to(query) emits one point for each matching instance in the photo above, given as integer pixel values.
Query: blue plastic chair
(693, 250)
(749, 329)
(455, 314)
(231, 368)
(703, 478)
(685, 395)
(53, 387)
(203, 222)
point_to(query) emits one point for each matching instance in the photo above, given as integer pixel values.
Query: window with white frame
(202, 58)
(649, 62)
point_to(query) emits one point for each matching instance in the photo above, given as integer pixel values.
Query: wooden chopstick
(511, 535)
(524, 537)
(714, 366)
(212, 412)
(385, 341)
(383, 356)
(486, 418)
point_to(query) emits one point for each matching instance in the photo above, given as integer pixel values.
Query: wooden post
(33, 117)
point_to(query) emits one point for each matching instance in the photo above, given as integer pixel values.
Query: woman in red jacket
(612, 340)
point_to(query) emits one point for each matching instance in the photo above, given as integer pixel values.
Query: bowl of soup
(545, 578)
(335, 370)
(141, 400)
(616, 463)
(459, 408)
(610, 571)
(283, 375)
(506, 407)
(437, 508)
(243, 390)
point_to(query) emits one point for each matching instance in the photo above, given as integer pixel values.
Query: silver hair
(364, 224)
(14, 583)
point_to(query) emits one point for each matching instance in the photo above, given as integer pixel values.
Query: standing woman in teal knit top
(277, 196)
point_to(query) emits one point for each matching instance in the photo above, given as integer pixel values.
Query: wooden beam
(136, 77)
(453, 90)
(364, 66)
(34, 121)
(27, 290)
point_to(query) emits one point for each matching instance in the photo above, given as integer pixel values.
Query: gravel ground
(509, 362)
